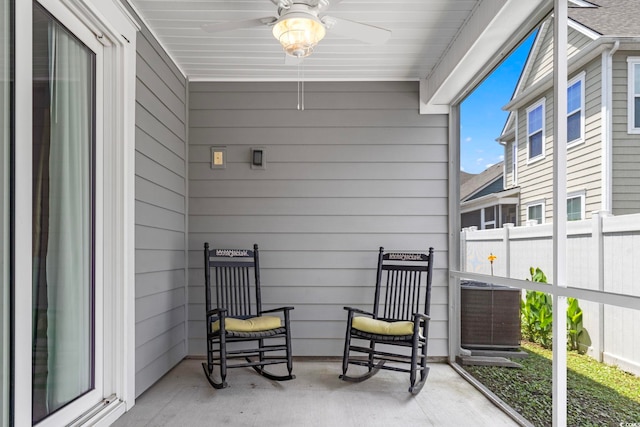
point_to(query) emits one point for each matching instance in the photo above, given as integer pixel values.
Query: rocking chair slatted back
(236, 278)
(254, 338)
(402, 281)
(402, 294)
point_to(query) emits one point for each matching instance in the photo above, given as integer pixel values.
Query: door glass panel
(6, 64)
(63, 216)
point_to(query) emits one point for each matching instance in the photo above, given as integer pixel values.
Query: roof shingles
(610, 17)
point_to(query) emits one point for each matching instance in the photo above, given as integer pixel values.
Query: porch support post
(560, 212)
(454, 226)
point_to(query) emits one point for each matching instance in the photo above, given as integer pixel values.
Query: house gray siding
(359, 168)
(160, 219)
(584, 173)
(584, 161)
(543, 51)
(626, 147)
(543, 65)
(509, 169)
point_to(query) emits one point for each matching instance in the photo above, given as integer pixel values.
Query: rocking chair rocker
(399, 320)
(236, 316)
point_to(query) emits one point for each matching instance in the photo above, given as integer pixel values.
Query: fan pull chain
(300, 86)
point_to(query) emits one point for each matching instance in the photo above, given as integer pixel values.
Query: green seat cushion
(254, 324)
(380, 327)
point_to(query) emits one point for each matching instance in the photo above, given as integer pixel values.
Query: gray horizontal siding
(543, 61)
(313, 135)
(315, 188)
(626, 147)
(351, 153)
(584, 160)
(161, 174)
(358, 169)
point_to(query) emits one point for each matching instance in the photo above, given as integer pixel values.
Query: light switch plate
(218, 157)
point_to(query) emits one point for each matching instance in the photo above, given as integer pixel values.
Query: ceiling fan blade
(216, 27)
(357, 30)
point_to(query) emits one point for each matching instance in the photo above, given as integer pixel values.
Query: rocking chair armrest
(417, 317)
(273, 310)
(358, 311)
(216, 312)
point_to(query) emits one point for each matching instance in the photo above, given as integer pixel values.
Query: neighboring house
(603, 116)
(484, 202)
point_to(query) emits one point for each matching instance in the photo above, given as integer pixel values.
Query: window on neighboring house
(634, 94)
(535, 130)
(509, 215)
(535, 211)
(575, 207)
(489, 218)
(575, 110)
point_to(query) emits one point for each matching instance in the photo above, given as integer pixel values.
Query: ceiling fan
(301, 24)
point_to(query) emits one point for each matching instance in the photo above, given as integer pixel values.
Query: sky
(481, 114)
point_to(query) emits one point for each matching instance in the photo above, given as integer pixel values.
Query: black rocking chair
(400, 318)
(236, 316)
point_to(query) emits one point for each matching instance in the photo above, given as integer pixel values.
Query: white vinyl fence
(603, 254)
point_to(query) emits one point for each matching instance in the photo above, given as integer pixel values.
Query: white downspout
(606, 203)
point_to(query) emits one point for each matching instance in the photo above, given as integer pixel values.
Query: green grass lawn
(597, 394)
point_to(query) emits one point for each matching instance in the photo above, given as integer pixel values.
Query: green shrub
(574, 324)
(537, 316)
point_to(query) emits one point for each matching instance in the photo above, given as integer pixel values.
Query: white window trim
(532, 107)
(583, 196)
(537, 203)
(579, 78)
(631, 62)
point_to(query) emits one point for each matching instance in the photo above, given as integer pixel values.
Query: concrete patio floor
(316, 397)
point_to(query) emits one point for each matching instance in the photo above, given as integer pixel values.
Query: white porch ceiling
(430, 39)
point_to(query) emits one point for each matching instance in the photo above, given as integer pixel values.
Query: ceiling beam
(492, 31)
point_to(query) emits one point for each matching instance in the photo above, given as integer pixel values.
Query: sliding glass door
(63, 220)
(6, 111)
(67, 86)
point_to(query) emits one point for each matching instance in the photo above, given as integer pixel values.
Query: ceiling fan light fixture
(298, 33)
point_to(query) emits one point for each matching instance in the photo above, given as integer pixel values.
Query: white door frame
(116, 30)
